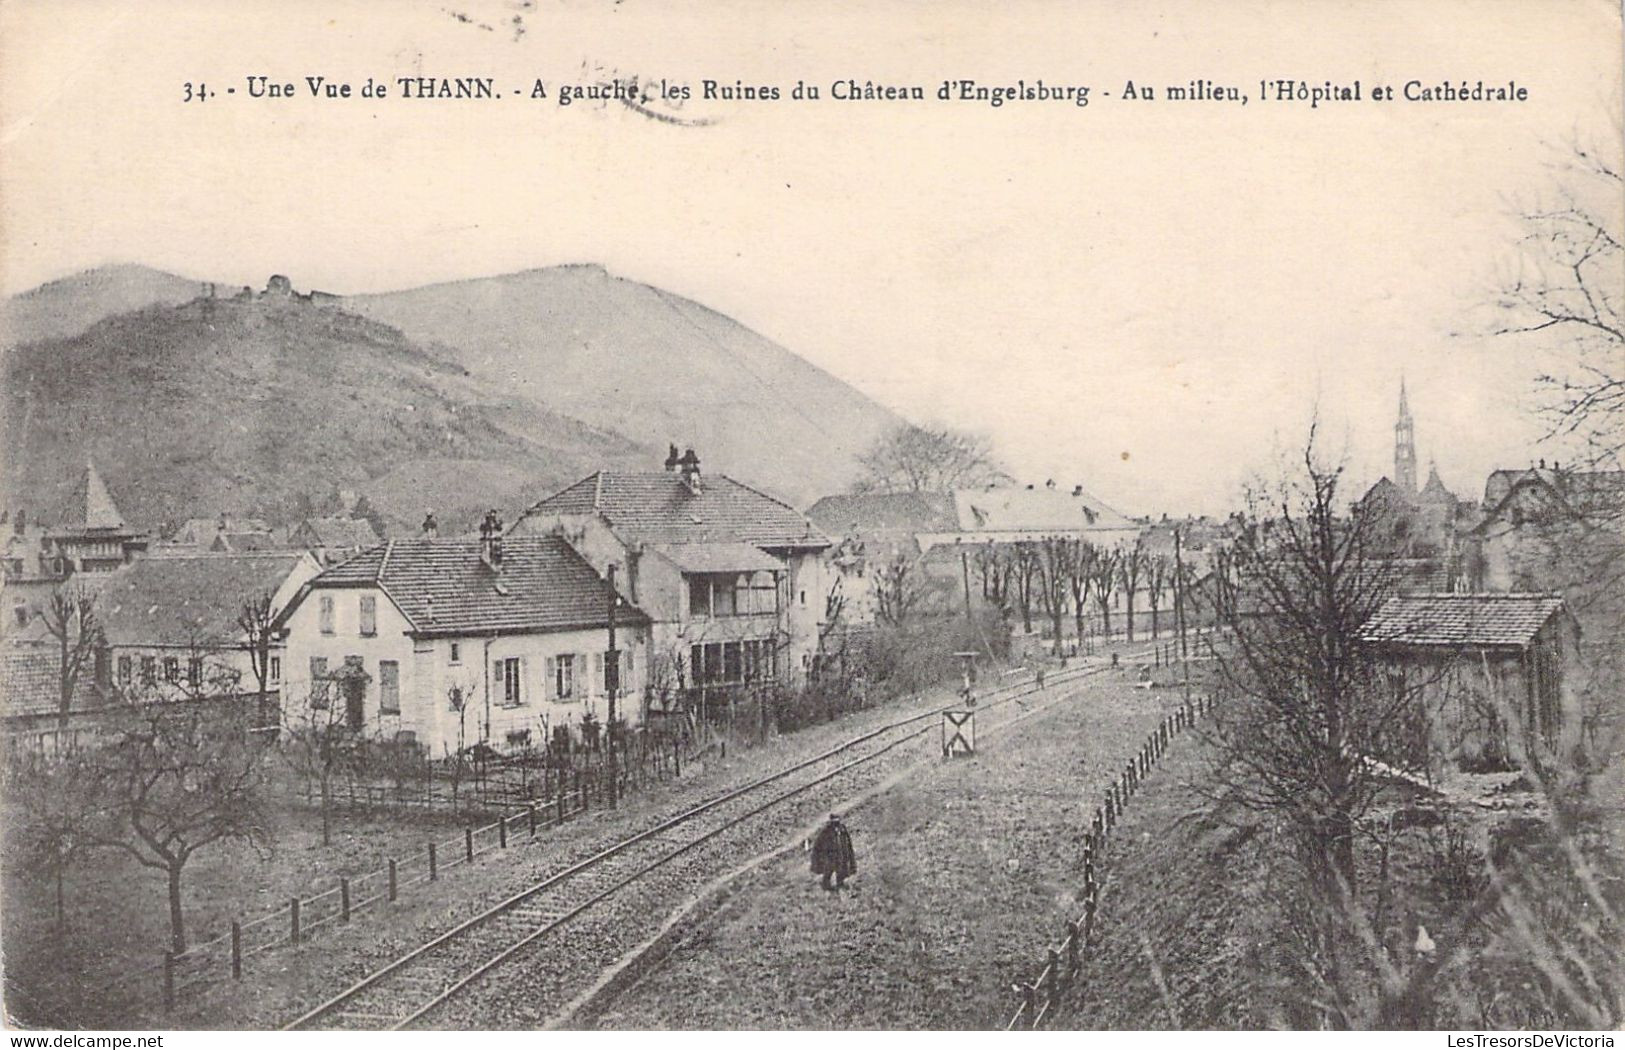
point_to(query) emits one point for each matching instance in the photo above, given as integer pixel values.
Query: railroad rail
(406, 991)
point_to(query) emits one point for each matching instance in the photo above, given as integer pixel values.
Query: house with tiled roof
(871, 530)
(1493, 675)
(170, 620)
(733, 579)
(332, 540)
(500, 640)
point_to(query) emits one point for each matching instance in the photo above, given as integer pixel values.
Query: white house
(492, 640)
(733, 580)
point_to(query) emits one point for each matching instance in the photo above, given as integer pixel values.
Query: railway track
(419, 985)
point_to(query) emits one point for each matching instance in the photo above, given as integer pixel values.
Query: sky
(1146, 298)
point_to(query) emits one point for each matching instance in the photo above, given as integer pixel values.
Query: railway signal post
(959, 727)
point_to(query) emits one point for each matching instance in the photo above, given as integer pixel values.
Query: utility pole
(612, 677)
(964, 568)
(1179, 591)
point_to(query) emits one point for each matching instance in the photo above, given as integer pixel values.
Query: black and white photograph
(664, 516)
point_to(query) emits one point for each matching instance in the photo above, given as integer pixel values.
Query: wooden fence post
(1072, 961)
(468, 843)
(581, 789)
(236, 950)
(558, 803)
(1052, 990)
(677, 759)
(502, 831)
(344, 900)
(532, 817)
(1029, 1004)
(394, 886)
(169, 981)
(433, 874)
(293, 910)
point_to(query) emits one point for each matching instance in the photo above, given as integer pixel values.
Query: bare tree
(1080, 568)
(1159, 576)
(1566, 289)
(1054, 571)
(911, 458)
(995, 569)
(318, 743)
(54, 801)
(1310, 707)
(1104, 577)
(1026, 568)
(172, 782)
(70, 617)
(254, 619)
(898, 589)
(1131, 570)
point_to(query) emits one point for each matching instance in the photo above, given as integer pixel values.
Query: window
(561, 676)
(149, 670)
(318, 683)
(507, 678)
(389, 687)
(732, 594)
(273, 669)
(456, 652)
(172, 669)
(325, 614)
(126, 670)
(194, 672)
(369, 615)
(22, 615)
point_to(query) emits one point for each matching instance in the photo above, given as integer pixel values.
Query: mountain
(453, 397)
(260, 403)
(651, 365)
(69, 306)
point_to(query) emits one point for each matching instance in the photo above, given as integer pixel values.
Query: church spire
(1405, 446)
(100, 512)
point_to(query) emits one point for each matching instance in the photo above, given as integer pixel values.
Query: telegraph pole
(612, 678)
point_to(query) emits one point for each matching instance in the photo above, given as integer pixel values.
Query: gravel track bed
(966, 874)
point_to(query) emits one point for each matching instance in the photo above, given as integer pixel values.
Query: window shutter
(626, 671)
(598, 673)
(519, 680)
(496, 676)
(550, 688)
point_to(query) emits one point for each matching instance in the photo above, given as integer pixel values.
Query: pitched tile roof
(443, 588)
(186, 599)
(1034, 510)
(660, 508)
(341, 532)
(881, 513)
(1461, 620)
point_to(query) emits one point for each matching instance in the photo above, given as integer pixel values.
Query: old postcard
(624, 515)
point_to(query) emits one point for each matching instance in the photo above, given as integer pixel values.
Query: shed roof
(717, 557)
(1455, 621)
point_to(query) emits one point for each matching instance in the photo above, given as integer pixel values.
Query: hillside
(651, 365)
(220, 404)
(67, 307)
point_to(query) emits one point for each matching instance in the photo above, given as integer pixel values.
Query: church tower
(1405, 447)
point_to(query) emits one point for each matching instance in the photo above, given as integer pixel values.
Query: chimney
(672, 460)
(690, 464)
(431, 528)
(1049, 483)
(1077, 490)
(491, 541)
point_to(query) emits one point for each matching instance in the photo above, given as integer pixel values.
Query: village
(328, 674)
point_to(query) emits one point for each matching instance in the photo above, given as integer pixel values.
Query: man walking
(832, 853)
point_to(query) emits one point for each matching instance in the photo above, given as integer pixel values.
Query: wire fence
(1063, 961)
